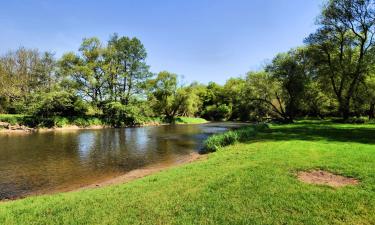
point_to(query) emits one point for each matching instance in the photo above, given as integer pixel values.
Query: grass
(13, 119)
(217, 141)
(189, 120)
(245, 183)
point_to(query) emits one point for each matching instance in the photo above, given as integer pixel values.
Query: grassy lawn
(246, 183)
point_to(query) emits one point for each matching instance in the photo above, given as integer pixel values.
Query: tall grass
(188, 120)
(13, 119)
(217, 141)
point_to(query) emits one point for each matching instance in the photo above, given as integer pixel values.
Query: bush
(86, 122)
(217, 113)
(217, 141)
(119, 115)
(60, 103)
(60, 121)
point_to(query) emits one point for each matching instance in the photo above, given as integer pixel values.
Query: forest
(331, 75)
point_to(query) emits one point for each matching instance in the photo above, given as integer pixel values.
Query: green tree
(128, 57)
(266, 90)
(291, 70)
(87, 70)
(342, 47)
(167, 98)
(23, 73)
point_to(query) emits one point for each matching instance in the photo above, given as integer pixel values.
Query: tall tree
(291, 70)
(129, 56)
(87, 69)
(342, 46)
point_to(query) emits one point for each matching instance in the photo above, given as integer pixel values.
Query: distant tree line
(332, 74)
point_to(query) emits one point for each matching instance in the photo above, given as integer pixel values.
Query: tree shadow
(319, 132)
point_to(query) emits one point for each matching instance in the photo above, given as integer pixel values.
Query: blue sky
(203, 40)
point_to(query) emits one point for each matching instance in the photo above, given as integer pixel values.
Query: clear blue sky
(202, 40)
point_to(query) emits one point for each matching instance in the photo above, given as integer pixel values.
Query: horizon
(193, 39)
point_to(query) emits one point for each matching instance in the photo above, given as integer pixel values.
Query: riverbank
(23, 124)
(254, 182)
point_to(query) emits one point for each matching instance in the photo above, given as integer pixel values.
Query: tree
(86, 70)
(264, 88)
(23, 73)
(341, 47)
(233, 91)
(128, 57)
(167, 98)
(291, 71)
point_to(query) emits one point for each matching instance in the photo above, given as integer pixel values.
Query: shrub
(217, 113)
(81, 122)
(60, 121)
(60, 103)
(119, 115)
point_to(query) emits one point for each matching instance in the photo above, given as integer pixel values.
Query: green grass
(189, 120)
(246, 183)
(13, 119)
(218, 141)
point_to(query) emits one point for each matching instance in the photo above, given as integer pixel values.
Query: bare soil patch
(322, 177)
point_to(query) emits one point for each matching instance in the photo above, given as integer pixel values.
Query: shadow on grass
(320, 132)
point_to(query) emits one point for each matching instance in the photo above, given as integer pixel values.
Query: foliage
(59, 103)
(189, 120)
(13, 119)
(120, 115)
(217, 141)
(331, 75)
(342, 47)
(217, 113)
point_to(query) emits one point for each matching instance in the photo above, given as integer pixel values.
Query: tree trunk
(345, 109)
(371, 112)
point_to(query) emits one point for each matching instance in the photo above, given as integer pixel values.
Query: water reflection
(51, 161)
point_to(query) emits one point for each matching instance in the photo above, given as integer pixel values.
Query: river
(47, 162)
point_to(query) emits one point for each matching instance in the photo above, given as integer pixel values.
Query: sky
(201, 40)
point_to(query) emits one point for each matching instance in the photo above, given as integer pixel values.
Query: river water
(60, 160)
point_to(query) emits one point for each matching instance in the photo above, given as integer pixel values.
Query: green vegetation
(251, 176)
(217, 141)
(247, 183)
(12, 119)
(189, 120)
(87, 121)
(331, 75)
